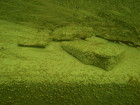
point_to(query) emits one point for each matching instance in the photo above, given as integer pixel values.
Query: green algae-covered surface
(51, 76)
(36, 69)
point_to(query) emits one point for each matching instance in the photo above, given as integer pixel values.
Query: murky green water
(69, 52)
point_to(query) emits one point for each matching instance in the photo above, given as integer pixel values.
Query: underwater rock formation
(38, 40)
(119, 22)
(32, 43)
(99, 54)
(71, 32)
(51, 76)
(117, 27)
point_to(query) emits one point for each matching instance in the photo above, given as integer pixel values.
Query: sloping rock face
(118, 22)
(100, 54)
(120, 31)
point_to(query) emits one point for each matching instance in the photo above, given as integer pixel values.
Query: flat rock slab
(99, 54)
(38, 41)
(71, 32)
(32, 43)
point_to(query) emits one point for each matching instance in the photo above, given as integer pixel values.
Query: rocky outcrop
(119, 30)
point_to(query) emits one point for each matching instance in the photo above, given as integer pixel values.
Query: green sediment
(68, 94)
(51, 76)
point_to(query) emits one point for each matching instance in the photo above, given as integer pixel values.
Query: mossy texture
(51, 76)
(105, 56)
(72, 32)
(38, 39)
(68, 94)
(114, 19)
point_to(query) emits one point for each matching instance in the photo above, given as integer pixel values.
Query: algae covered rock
(103, 55)
(39, 40)
(118, 26)
(71, 32)
(32, 43)
(119, 35)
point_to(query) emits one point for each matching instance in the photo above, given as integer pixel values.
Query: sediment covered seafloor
(54, 57)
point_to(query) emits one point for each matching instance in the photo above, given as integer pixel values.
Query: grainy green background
(51, 76)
